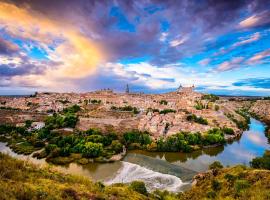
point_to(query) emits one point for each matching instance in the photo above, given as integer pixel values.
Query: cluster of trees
(184, 141)
(210, 97)
(90, 144)
(7, 129)
(165, 111)
(261, 162)
(126, 108)
(199, 105)
(67, 118)
(163, 102)
(135, 136)
(196, 119)
(240, 124)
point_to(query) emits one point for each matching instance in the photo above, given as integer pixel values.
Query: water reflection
(252, 143)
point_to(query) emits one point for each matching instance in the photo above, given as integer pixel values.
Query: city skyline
(222, 47)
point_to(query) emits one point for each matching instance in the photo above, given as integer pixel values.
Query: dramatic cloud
(7, 48)
(259, 19)
(79, 45)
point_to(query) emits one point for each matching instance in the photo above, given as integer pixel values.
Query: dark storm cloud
(129, 29)
(7, 48)
(254, 82)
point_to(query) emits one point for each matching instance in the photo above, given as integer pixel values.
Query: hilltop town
(159, 114)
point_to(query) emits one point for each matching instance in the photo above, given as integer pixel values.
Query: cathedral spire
(127, 89)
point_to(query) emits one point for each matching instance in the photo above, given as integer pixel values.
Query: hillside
(22, 180)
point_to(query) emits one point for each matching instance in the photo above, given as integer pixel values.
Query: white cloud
(231, 64)
(204, 62)
(178, 41)
(257, 58)
(254, 37)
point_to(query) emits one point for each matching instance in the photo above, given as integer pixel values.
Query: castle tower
(179, 88)
(127, 89)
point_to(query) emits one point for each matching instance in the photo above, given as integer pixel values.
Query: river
(171, 171)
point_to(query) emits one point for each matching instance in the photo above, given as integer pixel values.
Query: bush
(139, 187)
(240, 185)
(210, 97)
(230, 178)
(163, 102)
(215, 185)
(73, 109)
(165, 111)
(228, 131)
(116, 146)
(91, 149)
(214, 136)
(211, 194)
(142, 138)
(262, 162)
(216, 165)
(196, 119)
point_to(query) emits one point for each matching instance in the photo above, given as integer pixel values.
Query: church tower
(127, 89)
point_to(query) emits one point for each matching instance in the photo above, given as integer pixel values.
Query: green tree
(91, 149)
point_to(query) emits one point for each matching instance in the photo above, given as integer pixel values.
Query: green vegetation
(126, 108)
(186, 142)
(67, 118)
(262, 162)
(163, 102)
(152, 110)
(237, 182)
(136, 139)
(22, 180)
(240, 124)
(216, 165)
(196, 119)
(139, 186)
(228, 131)
(94, 101)
(210, 97)
(199, 105)
(165, 111)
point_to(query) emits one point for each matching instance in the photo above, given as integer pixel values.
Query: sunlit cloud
(77, 54)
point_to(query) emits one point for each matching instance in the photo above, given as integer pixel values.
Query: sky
(222, 47)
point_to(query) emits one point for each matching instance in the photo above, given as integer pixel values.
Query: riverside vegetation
(61, 147)
(22, 180)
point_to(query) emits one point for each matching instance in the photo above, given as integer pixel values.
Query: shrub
(210, 97)
(216, 165)
(196, 119)
(142, 138)
(211, 194)
(165, 111)
(262, 162)
(163, 102)
(139, 187)
(240, 185)
(73, 109)
(214, 136)
(215, 185)
(230, 178)
(116, 146)
(228, 131)
(216, 108)
(91, 149)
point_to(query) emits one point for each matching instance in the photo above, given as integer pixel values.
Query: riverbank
(20, 180)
